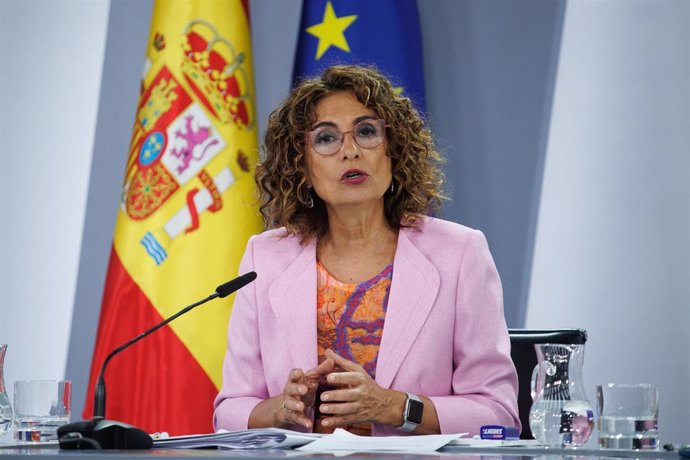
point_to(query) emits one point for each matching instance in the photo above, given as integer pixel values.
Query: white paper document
(344, 440)
(268, 438)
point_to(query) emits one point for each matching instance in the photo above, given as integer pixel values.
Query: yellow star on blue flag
(331, 31)
(382, 33)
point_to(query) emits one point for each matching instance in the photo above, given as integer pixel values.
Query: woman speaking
(367, 313)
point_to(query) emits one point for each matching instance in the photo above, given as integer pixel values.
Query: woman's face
(354, 175)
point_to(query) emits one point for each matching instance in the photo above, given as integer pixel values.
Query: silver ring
(285, 409)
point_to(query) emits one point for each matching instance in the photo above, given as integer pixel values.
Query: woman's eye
(325, 137)
(366, 130)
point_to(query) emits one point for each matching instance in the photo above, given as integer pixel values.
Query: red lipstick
(353, 176)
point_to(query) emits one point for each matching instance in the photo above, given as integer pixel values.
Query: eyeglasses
(367, 134)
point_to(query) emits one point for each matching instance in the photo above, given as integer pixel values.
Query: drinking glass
(628, 416)
(41, 407)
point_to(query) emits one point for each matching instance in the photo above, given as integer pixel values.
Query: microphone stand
(99, 433)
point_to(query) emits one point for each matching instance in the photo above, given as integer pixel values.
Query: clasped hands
(356, 399)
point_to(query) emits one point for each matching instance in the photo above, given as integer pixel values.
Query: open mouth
(352, 174)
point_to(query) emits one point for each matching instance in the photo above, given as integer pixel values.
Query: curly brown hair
(281, 177)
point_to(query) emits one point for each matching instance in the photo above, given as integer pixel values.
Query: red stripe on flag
(156, 384)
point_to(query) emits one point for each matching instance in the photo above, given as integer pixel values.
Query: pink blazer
(445, 335)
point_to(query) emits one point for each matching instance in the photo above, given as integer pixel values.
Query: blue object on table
(499, 432)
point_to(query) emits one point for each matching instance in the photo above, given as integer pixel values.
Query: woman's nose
(349, 149)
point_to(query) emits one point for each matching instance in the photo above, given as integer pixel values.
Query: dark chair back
(525, 358)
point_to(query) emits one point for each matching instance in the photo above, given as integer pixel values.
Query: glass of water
(628, 416)
(40, 408)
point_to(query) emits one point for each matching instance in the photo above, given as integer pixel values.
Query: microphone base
(100, 433)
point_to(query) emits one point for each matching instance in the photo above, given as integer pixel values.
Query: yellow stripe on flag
(188, 204)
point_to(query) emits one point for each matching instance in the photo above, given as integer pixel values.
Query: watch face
(414, 414)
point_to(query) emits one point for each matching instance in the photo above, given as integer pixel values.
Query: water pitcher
(561, 415)
(5, 408)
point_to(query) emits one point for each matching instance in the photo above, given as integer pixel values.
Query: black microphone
(99, 433)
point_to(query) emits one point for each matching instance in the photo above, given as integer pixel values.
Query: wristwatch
(412, 414)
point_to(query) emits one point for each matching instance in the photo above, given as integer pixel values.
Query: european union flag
(382, 33)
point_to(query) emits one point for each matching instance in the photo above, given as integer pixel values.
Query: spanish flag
(187, 207)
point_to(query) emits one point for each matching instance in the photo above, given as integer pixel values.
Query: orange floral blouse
(350, 319)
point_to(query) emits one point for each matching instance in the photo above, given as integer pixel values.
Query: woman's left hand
(358, 398)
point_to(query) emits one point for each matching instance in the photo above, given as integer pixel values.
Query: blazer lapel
(414, 288)
(293, 300)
